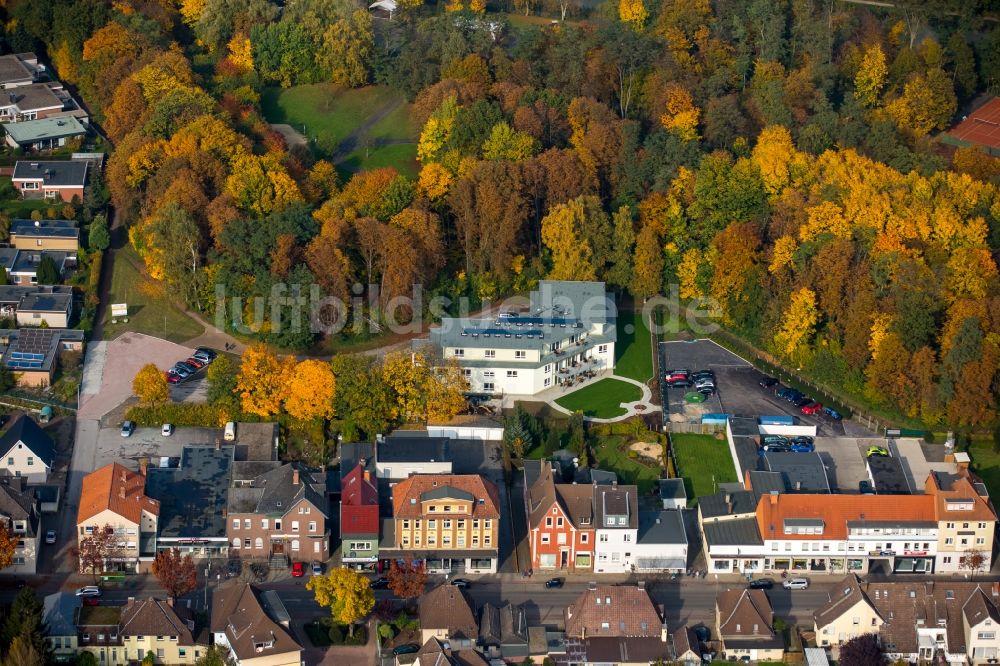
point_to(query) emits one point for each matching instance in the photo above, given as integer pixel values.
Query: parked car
(767, 381)
(91, 601)
(865, 488)
(234, 568)
(803, 447)
(802, 439)
(380, 583)
(802, 402)
(703, 374)
(298, 570)
(794, 395)
(181, 365)
(206, 352)
(761, 584)
(795, 584)
(196, 363)
(770, 442)
(775, 448)
(316, 569)
(173, 377)
(182, 371)
(167, 430)
(128, 428)
(812, 408)
(832, 413)
(461, 583)
(406, 648)
(553, 582)
(782, 392)
(89, 591)
(877, 452)
(678, 378)
(50, 536)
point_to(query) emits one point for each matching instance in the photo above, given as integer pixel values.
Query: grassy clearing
(24, 207)
(400, 156)
(397, 124)
(633, 348)
(602, 399)
(150, 309)
(611, 454)
(986, 463)
(704, 462)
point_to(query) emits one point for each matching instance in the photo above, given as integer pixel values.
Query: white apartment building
(567, 330)
(616, 522)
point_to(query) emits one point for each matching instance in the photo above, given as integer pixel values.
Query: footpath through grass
(704, 462)
(633, 349)
(149, 306)
(601, 399)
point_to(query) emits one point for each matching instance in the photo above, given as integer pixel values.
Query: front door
(563, 559)
(278, 548)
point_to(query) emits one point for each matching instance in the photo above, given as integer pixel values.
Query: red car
(195, 362)
(173, 377)
(812, 408)
(91, 601)
(298, 570)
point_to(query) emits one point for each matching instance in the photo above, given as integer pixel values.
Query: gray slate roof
(25, 431)
(44, 228)
(45, 302)
(273, 492)
(65, 173)
(192, 496)
(666, 527)
(672, 489)
(735, 532)
(802, 472)
(403, 446)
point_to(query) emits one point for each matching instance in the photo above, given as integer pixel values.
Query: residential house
(672, 493)
(560, 520)
(45, 133)
(27, 450)
(616, 517)
(359, 518)
(32, 353)
(435, 652)
(30, 305)
(281, 514)
(98, 632)
(568, 329)
(115, 497)
(503, 632)
(745, 624)
(193, 499)
(19, 513)
(448, 520)
(63, 235)
(616, 624)
(252, 628)
(661, 542)
(22, 266)
(33, 102)
(447, 614)
(61, 180)
(687, 647)
(469, 427)
(19, 69)
(758, 530)
(157, 626)
(59, 611)
(941, 621)
(406, 452)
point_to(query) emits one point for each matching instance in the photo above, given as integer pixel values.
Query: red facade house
(359, 518)
(560, 520)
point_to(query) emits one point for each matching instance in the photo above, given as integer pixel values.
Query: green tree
(347, 593)
(25, 621)
(47, 272)
(176, 240)
(516, 436)
(213, 656)
(99, 237)
(221, 377)
(23, 653)
(346, 50)
(363, 401)
(623, 249)
(89, 659)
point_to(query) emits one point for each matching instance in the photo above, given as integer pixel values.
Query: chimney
(996, 589)
(368, 476)
(774, 499)
(170, 601)
(121, 492)
(641, 584)
(295, 477)
(131, 600)
(143, 464)
(218, 443)
(798, 485)
(663, 633)
(592, 585)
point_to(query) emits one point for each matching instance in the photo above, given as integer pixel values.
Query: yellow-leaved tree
(563, 234)
(798, 323)
(681, 116)
(407, 375)
(310, 391)
(777, 158)
(506, 143)
(435, 181)
(870, 79)
(241, 53)
(437, 131)
(262, 380)
(150, 385)
(632, 12)
(782, 253)
(347, 593)
(446, 392)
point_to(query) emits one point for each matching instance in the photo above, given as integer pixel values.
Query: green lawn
(611, 456)
(150, 309)
(704, 462)
(602, 399)
(328, 114)
(633, 349)
(24, 207)
(400, 156)
(986, 463)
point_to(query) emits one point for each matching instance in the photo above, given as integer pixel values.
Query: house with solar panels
(566, 332)
(32, 353)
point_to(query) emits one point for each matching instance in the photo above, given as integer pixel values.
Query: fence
(33, 402)
(695, 428)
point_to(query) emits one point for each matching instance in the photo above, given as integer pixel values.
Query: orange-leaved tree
(310, 391)
(262, 380)
(150, 384)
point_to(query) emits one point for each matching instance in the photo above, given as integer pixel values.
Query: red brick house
(560, 520)
(359, 518)
(62, 180)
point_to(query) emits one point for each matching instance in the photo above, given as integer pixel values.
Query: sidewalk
(640, 407)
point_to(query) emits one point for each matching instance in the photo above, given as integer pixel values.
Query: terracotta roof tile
(744, 615)
(446, 606)
(406, 494)
(625, 609)
(836, 510)
(115, 488)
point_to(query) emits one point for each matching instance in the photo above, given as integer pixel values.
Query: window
(488, 387)
(949, 541)
(446, 539)
(312, 525)
(432, 524)
(545, 538)
(10, 460)
(548, 521)
(304, 509)
(295, 526)
(561, 538)
(31, 460)
(446, 524)
(602, 349)
(458, 352)
(603, 538)
(431, 539)
(489, 374)
(236, 523)
(315, 546)
(432, 508)
(277, 524)
(980, 541)
(181, 652)
(986, 635)
(520, 353)
(512, 373)
(246, 523)
(548, 381)
(295, 544)
(559, 521)
(487, 539)
(263, 524)
(487, 524)
(236, 543)
(246, 543)
(258, 543)
(584, 538)
(159, 653)
(950, 526)
(548, 368)
(490, 353)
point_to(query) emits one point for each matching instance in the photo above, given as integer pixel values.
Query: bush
(339, 635)
(336, 635)
(633, 453)
(180, 414)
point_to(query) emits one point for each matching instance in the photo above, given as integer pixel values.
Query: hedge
(179, 414)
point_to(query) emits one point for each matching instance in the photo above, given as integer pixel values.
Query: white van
(230, 433)
(795, 584)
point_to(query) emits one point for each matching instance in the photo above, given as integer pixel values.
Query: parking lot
(148, 443)
(738, 392)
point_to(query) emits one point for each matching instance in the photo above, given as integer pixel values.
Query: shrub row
(179, 414)
(339, 635)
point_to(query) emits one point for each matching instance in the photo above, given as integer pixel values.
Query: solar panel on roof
(499, 332)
